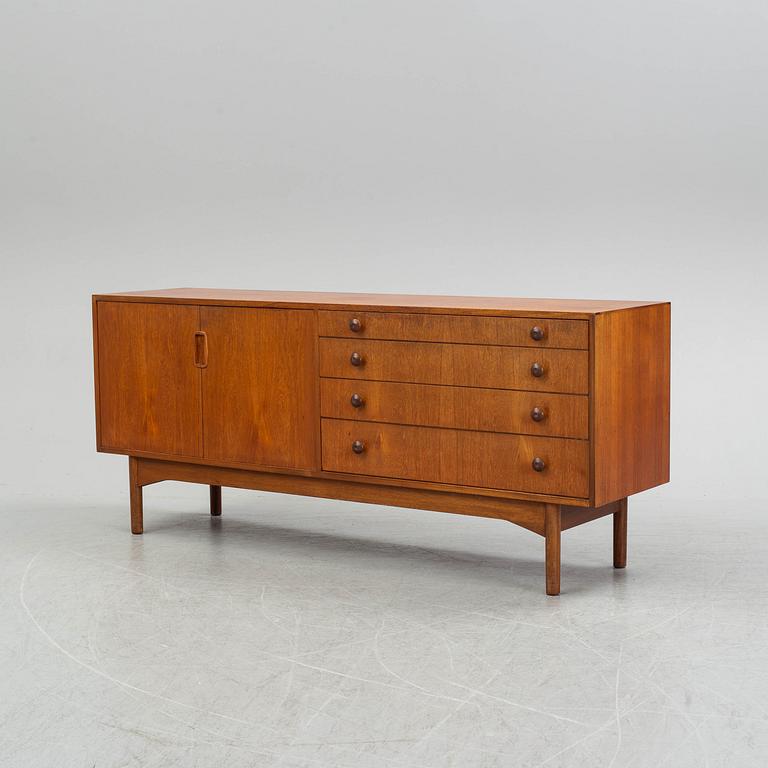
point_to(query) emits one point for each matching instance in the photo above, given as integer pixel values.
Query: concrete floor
(305, 633)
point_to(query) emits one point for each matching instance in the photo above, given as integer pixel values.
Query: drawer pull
(537, 414)
(537, 370)
(201, 349)
(358, 446)
(357, 401)
(356, 325)
(538, 464)
(537, 334)
(356, 359)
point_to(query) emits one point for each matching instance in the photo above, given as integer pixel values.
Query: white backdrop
(593, 150)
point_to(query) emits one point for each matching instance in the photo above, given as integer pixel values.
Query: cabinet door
(260, 386)
(149, 387)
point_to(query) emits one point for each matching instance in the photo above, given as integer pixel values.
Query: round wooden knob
(537, 369)
(537, 414)
(537, 334)
(356, 400)
(356, 325)
(358, 446)
(538, 464)
(356, 358)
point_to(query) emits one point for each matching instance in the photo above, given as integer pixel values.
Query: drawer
(457, 457)
(466, 365)
(467, 329)
(430, 405)
(506, 461)
(390, 450)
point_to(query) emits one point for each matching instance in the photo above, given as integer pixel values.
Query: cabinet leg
(137, 500)
(215, 500)
(552, 529)
(620, 536)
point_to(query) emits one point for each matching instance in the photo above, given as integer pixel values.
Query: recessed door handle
(201, 349)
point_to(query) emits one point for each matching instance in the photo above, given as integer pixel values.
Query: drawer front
(506, 461)
(479, 459)
(505, 331)
(429, 405)
(389, 450)
(467, 365)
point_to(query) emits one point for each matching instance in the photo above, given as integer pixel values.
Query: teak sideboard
(547, 413)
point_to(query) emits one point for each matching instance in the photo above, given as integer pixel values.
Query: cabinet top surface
(376, 301)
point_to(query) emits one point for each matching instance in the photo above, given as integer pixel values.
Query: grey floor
(307, 633)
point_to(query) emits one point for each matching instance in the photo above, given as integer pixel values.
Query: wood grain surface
(429, 405)
(149, 387)
(483, 459)
(505, 331)
(469, 365)
(259, 387)
(392, 302)
(631, 402)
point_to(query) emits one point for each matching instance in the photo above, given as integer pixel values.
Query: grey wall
(592, 149)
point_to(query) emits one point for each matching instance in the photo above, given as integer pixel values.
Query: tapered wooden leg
(620, 536)
(137, 500)
(552, 529)
(215, 500)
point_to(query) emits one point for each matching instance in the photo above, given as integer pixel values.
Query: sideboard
(547, 413)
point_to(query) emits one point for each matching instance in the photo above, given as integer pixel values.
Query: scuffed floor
(305, 633)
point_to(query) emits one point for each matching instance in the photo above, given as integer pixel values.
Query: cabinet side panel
(631, 401)
(149, 387)
(95, 322)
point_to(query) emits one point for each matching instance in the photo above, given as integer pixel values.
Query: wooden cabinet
(546, 413)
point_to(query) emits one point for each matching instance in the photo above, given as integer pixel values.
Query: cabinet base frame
(546, 519)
